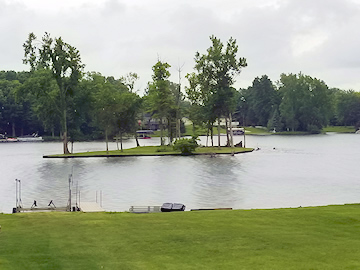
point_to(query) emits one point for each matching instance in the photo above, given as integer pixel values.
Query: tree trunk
(170, 133)
(65, 135)
(218, 128)
(231, 132)
(161, 132)
(107, 141)
(207, 136)
(121, 141)
(137, 140)
(65, 143)
(117, 141)
(177, 127)
(227, 132)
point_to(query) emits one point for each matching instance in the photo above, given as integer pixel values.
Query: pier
(79, 206)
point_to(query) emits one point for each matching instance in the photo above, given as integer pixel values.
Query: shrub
(186, 146)
(313, 129)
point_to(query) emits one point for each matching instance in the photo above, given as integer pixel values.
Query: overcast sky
(319, 38)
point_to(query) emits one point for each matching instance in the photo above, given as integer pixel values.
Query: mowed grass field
(299, 238)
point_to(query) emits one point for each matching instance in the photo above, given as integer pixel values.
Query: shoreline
(131, 152)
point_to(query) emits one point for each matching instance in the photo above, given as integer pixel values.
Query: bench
(145, 209)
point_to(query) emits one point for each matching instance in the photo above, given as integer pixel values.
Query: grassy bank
(339, 129)
(302, 238)
(154, 151)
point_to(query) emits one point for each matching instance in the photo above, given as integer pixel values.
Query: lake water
(287, 171)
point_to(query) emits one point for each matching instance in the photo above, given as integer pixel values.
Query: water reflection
(53, 180)
(218, 182)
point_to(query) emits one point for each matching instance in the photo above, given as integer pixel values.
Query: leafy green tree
(116, 108)
(64, 62)
(129, 80)
(198, 95)
(306, 102)
(16, 109)
(105, 104)
(11, 110)
(215, 74)
(348, 108)
(128, 108)
(244, 112)
(262, 99)
(160, 99)
(44, 93)
(186, 146)
(275, 122)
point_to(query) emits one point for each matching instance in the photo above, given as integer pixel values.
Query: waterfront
(287, 171)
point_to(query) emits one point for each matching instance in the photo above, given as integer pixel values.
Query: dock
(71, 206)
(88, 207)
(40, 209)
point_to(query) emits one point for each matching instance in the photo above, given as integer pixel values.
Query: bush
(186, 146)
(313, 129)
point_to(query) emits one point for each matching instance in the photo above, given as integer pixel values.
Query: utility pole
(69, 203)
(178, 98)
(16, 205)
(18, 195)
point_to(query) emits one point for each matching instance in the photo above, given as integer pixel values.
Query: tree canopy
(64, 62)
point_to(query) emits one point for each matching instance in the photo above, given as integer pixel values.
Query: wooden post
(16, 204)
(69, 206)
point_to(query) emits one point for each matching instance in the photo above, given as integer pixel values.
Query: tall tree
(160, 98)
(216, 72)
(127, 110)
(348, 108)
(262, 98)
(64, 61)
(306, 102)
(106, 102)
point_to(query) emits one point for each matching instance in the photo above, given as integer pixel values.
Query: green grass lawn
(299, 238)
(256, 131)
(203, 131)
(339, 129)
(156, 151)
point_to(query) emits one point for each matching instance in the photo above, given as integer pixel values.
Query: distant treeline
(296, 103)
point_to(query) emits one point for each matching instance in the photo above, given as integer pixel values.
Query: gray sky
(319, 38)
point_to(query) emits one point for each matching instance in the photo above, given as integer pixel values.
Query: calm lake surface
(287, 171)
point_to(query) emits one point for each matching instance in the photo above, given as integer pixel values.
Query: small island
(155, 151)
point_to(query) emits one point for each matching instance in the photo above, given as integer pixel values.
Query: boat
(3, 138)
(30, 138)
(238, 131)
(144, 134)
